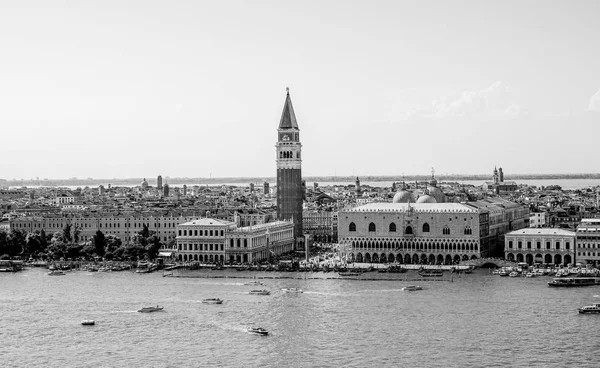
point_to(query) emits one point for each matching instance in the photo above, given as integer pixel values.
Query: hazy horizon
(192, 89)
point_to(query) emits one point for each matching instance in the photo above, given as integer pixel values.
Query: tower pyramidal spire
(288, 117)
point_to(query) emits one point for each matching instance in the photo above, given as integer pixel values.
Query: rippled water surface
(477, 320)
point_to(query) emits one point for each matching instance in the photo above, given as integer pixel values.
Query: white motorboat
(412, 288)
(212, 301)
(594, 308)
(56, 273)
(150, 309)
(292, 290)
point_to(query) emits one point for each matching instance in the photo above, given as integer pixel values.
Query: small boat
(254, 283)
(88, 322)
(594, 308)
(259, 292)
(514, 274)
(212, 301)
(292, 290)
(56, 273)
(258, 331)
(412, 288)
(530, 274)
(150, 309)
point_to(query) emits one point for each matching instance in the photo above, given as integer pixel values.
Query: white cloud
(498, 101)
(595, 102)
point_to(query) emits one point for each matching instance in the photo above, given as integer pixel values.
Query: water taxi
(88, 322)
(259, 292)
(150, 309)
(258, 331)
(292, 290)
(212, 301)
(574, 281)
(412, 288)
(56, 273)
(594, 308)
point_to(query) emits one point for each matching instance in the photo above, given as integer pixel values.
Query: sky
(119, 89)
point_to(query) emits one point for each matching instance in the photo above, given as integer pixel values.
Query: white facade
(537, 219)
(543, 245)
(588, 242)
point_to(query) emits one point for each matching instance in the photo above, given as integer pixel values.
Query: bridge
(495, 262)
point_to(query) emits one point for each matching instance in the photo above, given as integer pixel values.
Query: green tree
(67, 233)
(43, 241)
(99, 243)
(76, 232)
(16, 242)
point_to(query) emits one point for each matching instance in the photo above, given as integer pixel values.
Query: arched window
(425, 227)
(446, 230)
(408, 230)
(468, 231)
(392, 227)
(371, 227)
(352, 227)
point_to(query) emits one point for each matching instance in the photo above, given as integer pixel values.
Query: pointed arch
(372, 227)
(352, 227)
(425, 227)
(392, 227)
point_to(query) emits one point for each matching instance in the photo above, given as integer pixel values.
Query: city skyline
(195, 90)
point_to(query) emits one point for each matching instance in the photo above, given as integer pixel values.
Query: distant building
(159, 183)
(64, 198)
(144, 184)
(266, 188)
(544, 245)
(588, 242)
(498, 185)
(321, 225)
(166, 190)
(537, 219)
(251, 187)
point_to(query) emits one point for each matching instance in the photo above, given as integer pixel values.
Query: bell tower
(290, 193)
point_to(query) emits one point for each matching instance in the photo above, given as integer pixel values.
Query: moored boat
(212, 301)
(150, 309)
(258, 331)
(574, 281)
(514, 274)
(348, 274)
(591, 309)
(56, 273)
(259, 292)
(88, 322)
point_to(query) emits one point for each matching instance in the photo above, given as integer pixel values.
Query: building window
(547, 245)
(557, 245)
(539, 245)
(567, 245)
(425, 227)
(510, 244)
(245, 243)
(520, 244)
(352, 227)
(371, 227)
(528, 245)
(468, 231)
(446, 230)
(408, 230)
(392, 227)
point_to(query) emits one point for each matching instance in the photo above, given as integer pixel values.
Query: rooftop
(416, 207)
(542, 231)
(207, 222)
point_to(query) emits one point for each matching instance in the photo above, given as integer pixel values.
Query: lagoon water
(476, 320)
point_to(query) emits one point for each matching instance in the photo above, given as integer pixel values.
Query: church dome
(403, 196)
(144, 183)
(437, 193)
(426, 199)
